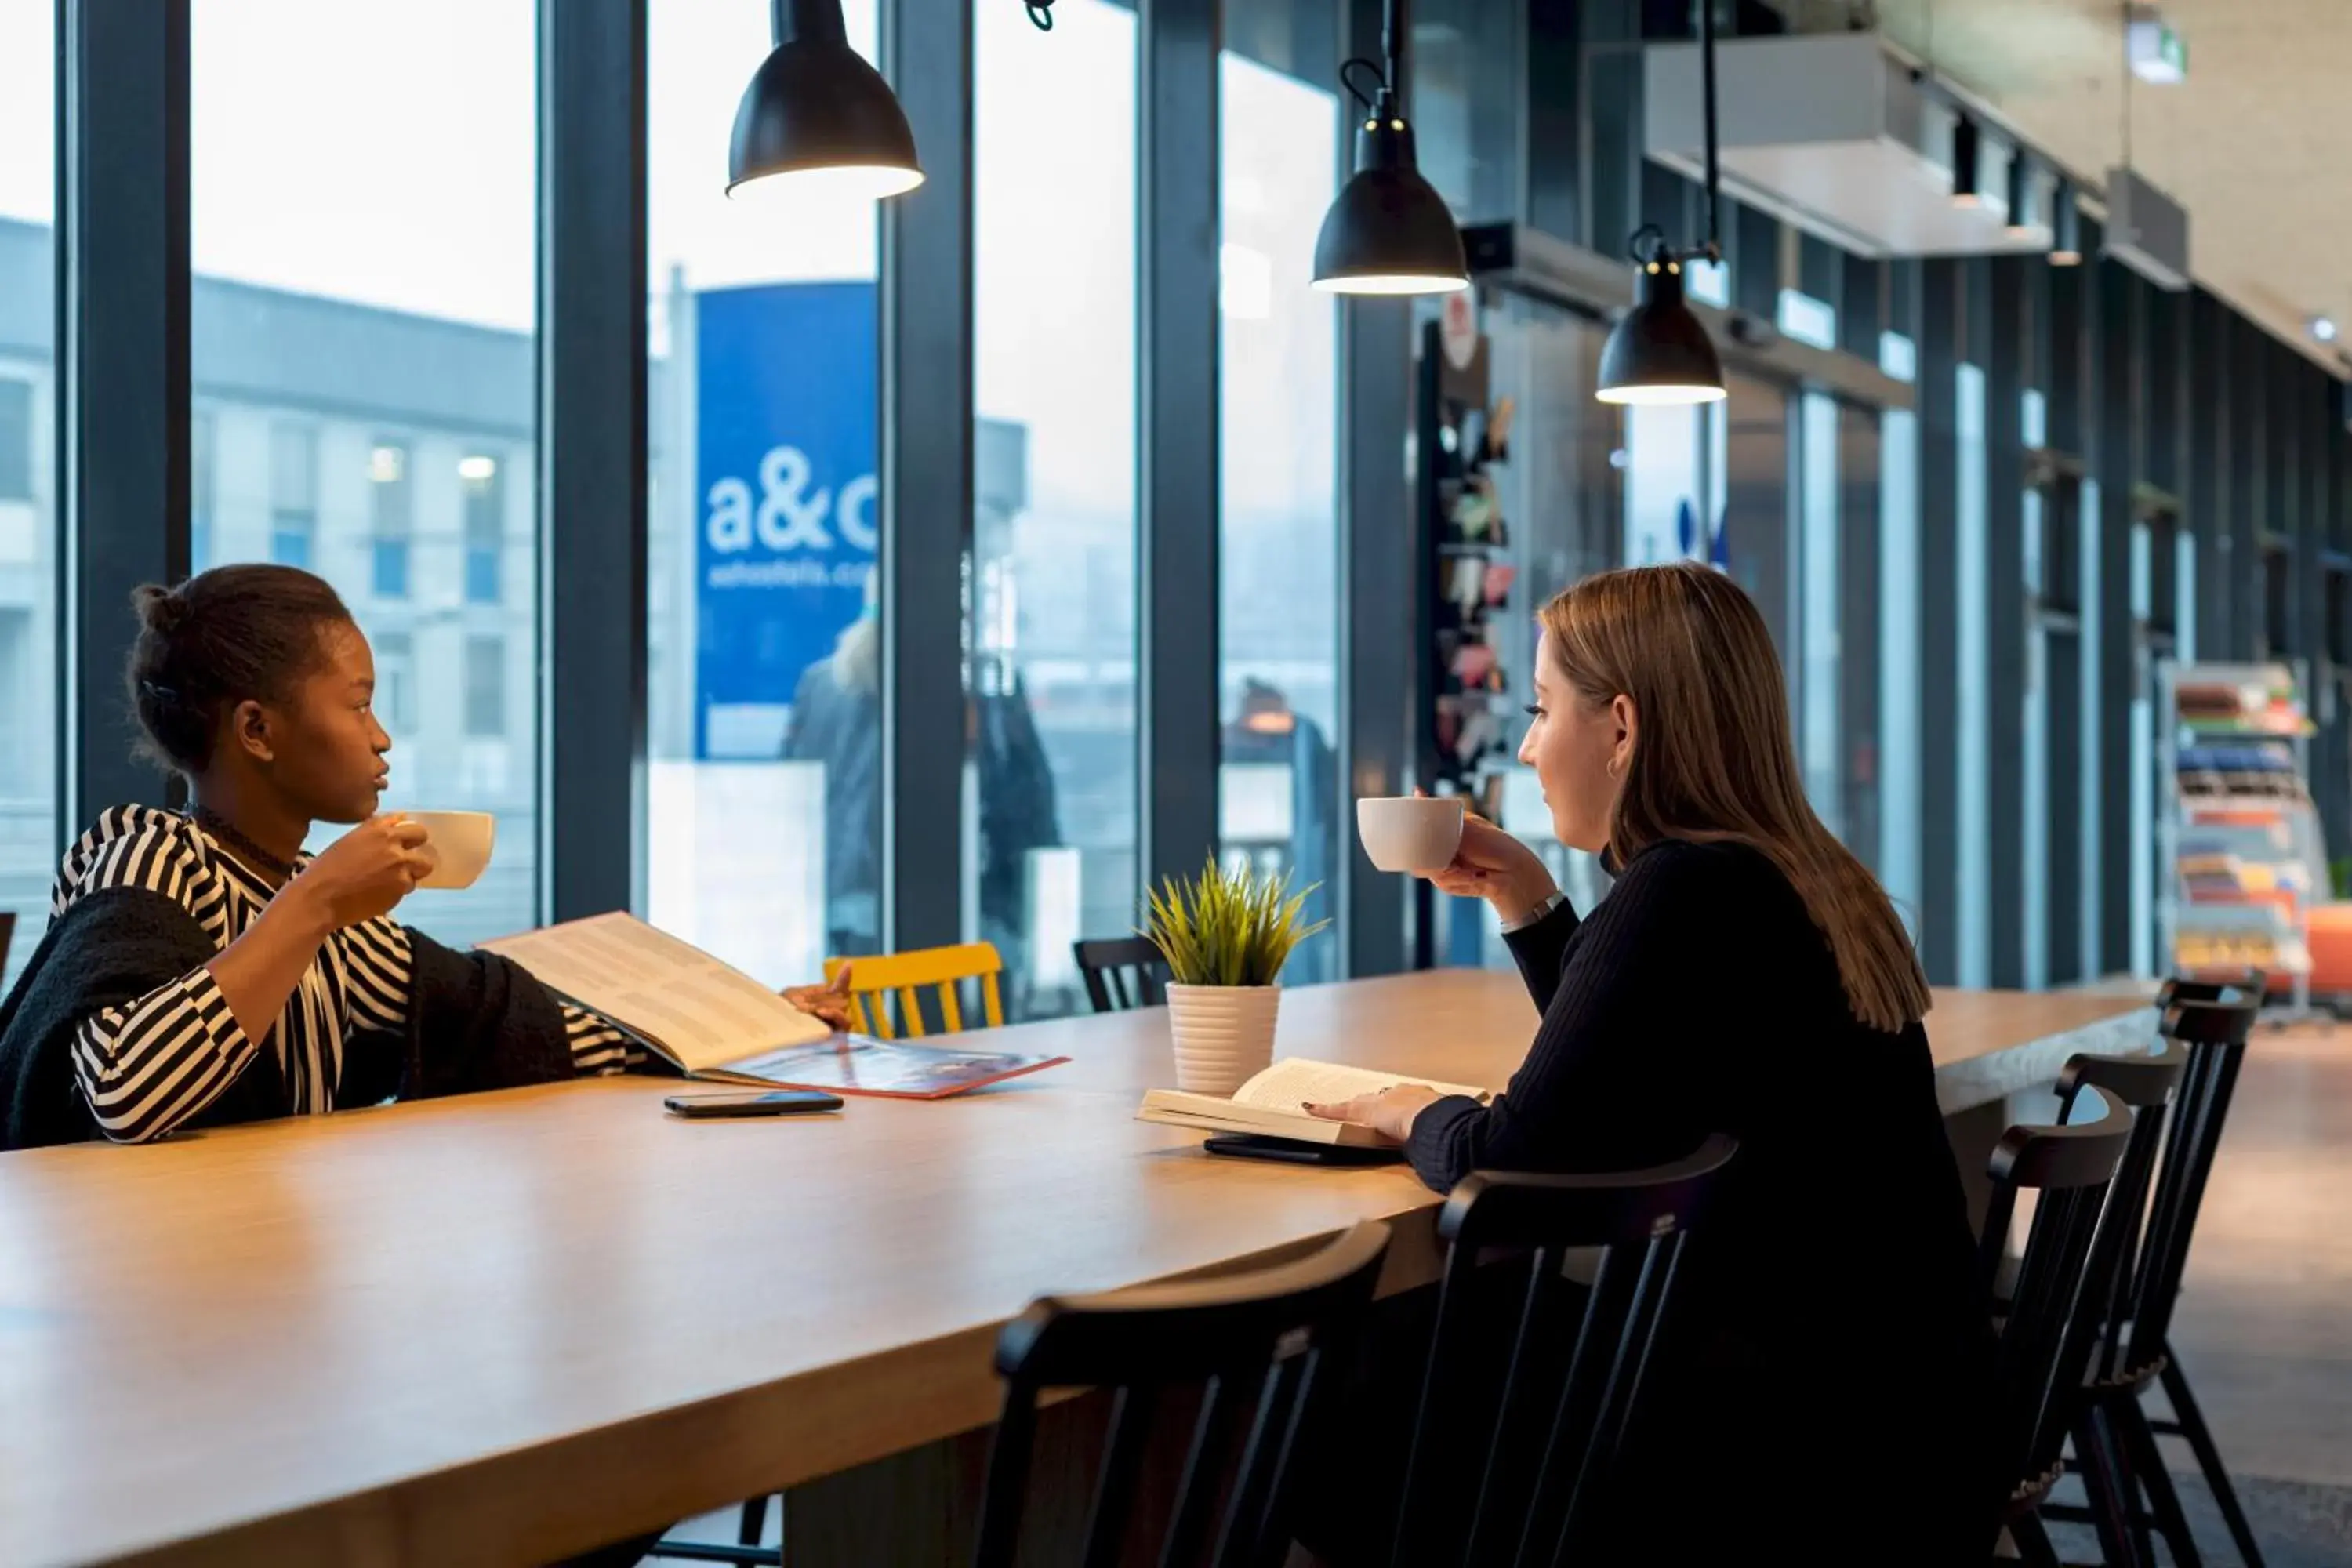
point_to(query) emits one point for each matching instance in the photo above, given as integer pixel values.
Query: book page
(703, 1013)
(1294, 1081)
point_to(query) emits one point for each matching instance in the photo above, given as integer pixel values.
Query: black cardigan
(1835, 1275)
(475, 1021)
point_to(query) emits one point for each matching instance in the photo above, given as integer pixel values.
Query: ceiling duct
(1831, 133)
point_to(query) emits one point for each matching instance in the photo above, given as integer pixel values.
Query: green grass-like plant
(1227, 927)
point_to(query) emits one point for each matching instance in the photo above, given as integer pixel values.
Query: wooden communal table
(507, 1327)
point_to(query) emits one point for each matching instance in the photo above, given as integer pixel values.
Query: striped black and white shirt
(150, 1064)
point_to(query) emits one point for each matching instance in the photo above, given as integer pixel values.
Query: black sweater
(475, 1021)
(1835, 1273)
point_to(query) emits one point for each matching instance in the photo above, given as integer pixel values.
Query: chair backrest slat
(1203, 1463)
(2148, 1087)
(874, 980)
(1251, 1342)
(2214, 1031)
(1121, 972)
(1573, 1412)
(2046, 1335)
(1132, 1410)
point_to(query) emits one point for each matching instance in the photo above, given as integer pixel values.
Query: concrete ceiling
(2257, 144)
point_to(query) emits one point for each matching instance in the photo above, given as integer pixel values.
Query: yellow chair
(872, 980)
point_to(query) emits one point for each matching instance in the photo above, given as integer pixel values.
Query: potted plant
(1226, 935)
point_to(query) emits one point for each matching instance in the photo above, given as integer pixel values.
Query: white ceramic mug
(457, 843)
(1410, 833)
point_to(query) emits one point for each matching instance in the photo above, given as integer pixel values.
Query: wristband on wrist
(1542, 908)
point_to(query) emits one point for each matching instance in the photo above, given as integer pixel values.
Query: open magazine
(716, 1023)
(1273, 1103)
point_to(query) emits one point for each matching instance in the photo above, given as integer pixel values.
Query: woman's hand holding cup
(1490, 864)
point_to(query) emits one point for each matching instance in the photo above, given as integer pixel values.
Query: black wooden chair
(1573, 1386)
(2047, 1326)
(2211, 1023)
(1254, 1344)
(2113, 1444)
(1121, 972)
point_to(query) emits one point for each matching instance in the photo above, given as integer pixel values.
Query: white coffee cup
(1410, 833)
(457, 843)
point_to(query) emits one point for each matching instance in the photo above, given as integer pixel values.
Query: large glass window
(1817, 543)
(1559, 488)
(765, 637)
(1278, 472)
(28, 517)
(1857, 645)
(1901, 845)
(1972, 843)
(1050, 854)
(397, 293)
(1750, 433)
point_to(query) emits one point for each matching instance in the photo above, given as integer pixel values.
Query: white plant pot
(1224, 1034)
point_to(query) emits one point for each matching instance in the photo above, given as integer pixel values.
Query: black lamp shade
(2020, 193)
(2065, 228)
(1389, 231)
(1965, 190)
(816, 108)
(1659, 352)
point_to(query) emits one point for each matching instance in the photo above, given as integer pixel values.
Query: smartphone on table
(753, 1102)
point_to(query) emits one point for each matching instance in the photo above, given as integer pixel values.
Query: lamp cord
(1706, 67)
(2128, 81)
(1386, 72)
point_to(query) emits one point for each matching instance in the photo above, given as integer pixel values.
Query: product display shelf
(2239, 836)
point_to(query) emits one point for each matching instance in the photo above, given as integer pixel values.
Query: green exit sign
(2158, 53)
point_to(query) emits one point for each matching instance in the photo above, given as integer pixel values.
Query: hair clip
(159, 691)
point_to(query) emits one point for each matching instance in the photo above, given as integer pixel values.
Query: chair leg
(2209, 1459)
(2033, 1543)
(755, 1520)
(2163, 1498)
(2107, 1483)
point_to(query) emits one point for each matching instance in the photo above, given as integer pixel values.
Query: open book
(1272, 1104)
(715, 1022)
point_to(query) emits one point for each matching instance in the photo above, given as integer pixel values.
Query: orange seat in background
(2331, 951)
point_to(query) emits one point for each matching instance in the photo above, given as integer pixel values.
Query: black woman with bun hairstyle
(200, 969)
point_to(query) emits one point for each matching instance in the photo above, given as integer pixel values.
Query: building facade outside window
(484, 481)
(486, 687)
(200, 491)
(355, 351)
(396, 682)
(389, 480)
(293, 494)
(15, 439)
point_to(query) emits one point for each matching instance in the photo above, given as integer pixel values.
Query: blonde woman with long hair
(1746, 975)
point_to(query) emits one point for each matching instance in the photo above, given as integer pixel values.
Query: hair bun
(161, 610)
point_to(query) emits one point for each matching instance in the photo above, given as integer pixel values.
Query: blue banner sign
(785, 470)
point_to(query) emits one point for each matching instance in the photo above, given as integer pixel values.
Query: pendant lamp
(1388, 231)
(2020, 194)
(817, 120)
(1964, 147)
(1659, 352)
(2065, 228)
